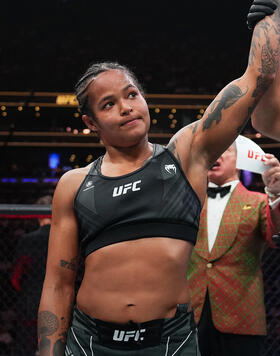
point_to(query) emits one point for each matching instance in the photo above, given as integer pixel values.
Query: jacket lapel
(229, 224)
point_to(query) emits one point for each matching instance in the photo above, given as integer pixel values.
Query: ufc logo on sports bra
(123, 189)
(121, 335)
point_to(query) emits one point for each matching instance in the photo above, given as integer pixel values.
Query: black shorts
(167, 337)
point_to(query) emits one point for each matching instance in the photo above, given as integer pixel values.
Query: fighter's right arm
(266, 117)
(58, 293)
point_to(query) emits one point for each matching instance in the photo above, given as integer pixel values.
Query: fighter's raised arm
(200, 144)
(266, 116)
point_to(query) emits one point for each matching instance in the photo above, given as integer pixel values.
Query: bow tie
(213, 191)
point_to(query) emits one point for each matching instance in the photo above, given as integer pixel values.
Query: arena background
(183, 52)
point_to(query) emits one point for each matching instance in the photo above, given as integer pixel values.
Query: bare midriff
(137, 280)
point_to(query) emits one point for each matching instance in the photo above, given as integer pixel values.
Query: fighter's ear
(89, 122)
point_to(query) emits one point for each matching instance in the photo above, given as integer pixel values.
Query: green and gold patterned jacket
(232, 272)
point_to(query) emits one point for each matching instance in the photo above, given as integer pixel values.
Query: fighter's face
(121, 115)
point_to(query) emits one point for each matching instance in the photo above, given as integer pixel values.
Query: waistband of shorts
(134, 335)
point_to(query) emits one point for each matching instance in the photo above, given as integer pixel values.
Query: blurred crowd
(172, 49)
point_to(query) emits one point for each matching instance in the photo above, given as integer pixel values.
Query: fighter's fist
(258, 10)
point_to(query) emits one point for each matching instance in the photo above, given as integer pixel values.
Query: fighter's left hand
(271, 177)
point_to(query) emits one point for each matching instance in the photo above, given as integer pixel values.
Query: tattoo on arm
(269, 56)
(70, 265)
(47, 326)
(231, 95)
(172, 147)
(193, 127)
(59, 346)
(261, 87)
(255, 42)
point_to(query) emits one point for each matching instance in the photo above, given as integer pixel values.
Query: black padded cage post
(25, 211)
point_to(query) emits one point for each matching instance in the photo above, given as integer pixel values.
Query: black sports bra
(155, 200)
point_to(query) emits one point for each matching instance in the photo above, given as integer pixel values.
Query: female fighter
(134, 214)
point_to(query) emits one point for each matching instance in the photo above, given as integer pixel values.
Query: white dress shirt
(216, 207)
(215, 210)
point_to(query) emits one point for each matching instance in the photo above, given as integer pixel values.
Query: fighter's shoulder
(75, 174)
(72, 179)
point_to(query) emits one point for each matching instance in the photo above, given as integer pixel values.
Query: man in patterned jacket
(225, 275)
